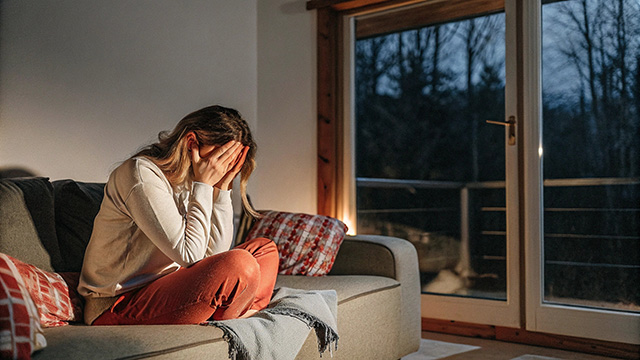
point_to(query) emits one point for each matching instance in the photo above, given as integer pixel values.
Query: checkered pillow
(307, 244)
(20, 330)
(56, 303)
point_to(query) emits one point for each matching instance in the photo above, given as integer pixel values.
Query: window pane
(429, 169)
(591, 139)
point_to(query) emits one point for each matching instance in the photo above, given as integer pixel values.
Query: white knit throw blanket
(279, 331)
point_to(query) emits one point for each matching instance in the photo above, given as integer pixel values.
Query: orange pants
(220, 287)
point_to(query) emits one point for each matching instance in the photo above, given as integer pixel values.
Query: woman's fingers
(226, 151)
(237, 153)
(227, 160)
(227, 180)
(241, 159)
(221, 164)
(231, 157)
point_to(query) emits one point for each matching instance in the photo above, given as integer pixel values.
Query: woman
(159, 251)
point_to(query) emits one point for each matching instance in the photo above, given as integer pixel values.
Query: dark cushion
(76, 204)
(27, 222)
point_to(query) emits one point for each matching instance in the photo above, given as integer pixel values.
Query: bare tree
(477, 34)
(597, 38)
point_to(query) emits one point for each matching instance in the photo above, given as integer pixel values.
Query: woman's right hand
(211, 163)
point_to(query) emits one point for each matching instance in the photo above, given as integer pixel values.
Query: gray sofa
(48, 224)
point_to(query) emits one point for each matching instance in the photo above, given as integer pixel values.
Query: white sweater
(145, 229)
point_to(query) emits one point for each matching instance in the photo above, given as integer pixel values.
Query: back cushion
(27, 228)
(76, 205)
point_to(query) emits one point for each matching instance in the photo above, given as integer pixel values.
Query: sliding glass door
(502, 139)
(584, 178)
(436, 152)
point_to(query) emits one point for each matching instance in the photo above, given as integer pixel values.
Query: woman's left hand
(227, 180)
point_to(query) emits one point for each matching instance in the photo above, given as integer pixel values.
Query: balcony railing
(585, 215)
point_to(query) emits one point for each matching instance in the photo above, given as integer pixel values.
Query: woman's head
(213, 125)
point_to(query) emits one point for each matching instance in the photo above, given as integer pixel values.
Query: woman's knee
(257, 243)
(260, 246)
(262, 241)
(270, 249)
(242, 263)
(266, 253)
(232, 263)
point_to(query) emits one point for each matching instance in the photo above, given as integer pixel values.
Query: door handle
(511, 125)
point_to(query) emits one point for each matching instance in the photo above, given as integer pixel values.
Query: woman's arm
(222, 217)
(221, 222)
(182, 239)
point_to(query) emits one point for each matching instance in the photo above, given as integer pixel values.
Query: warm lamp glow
(540, 151)
(351, 229)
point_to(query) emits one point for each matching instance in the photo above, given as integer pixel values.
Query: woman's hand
(227, 180)
(212, 164)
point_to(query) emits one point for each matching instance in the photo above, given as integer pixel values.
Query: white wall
(84, 83)
(286, 176)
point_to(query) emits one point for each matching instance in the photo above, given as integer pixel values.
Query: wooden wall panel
(522, 336)
(327, 110)
(423, 15)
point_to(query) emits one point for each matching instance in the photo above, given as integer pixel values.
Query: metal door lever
(511, 125)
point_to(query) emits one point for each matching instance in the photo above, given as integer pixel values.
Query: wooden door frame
(330, 119)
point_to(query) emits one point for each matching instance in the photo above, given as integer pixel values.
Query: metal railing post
(464, 265)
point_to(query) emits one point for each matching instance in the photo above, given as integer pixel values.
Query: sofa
(48, 223)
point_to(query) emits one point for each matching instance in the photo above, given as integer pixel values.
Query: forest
(422, 100)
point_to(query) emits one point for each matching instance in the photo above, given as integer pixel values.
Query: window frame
(333, 169)
(332, 52)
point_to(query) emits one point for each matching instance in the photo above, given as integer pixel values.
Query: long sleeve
(221, 223)
(145, 229)
(181, 239)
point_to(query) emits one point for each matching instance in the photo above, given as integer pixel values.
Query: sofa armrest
(390, 257)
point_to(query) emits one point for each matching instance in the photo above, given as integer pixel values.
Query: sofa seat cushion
(196, 341)
(369, 315)
(134, 342)
(346, 286)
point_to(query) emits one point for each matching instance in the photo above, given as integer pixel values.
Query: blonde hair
(213, 125)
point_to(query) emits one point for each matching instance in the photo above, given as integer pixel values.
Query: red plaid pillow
(307, 244)
(56, 303)
(20, 331)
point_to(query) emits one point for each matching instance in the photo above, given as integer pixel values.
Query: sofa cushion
(369, 321)
(27, 222)
(134, 342)
(56, 303)
(76, 206)
(20, 330)
(371, 299)
(307, 244)
(346, 286)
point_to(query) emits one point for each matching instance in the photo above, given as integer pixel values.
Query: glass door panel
(429, 168)
(591, 141)
(422, 162)
(581, 160)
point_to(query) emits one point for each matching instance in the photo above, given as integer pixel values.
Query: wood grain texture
(459, 328)
(522, 336)
(423, 15)
(327, 110)
(341, 4)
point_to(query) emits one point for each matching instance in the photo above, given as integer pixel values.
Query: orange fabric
(222, 286)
